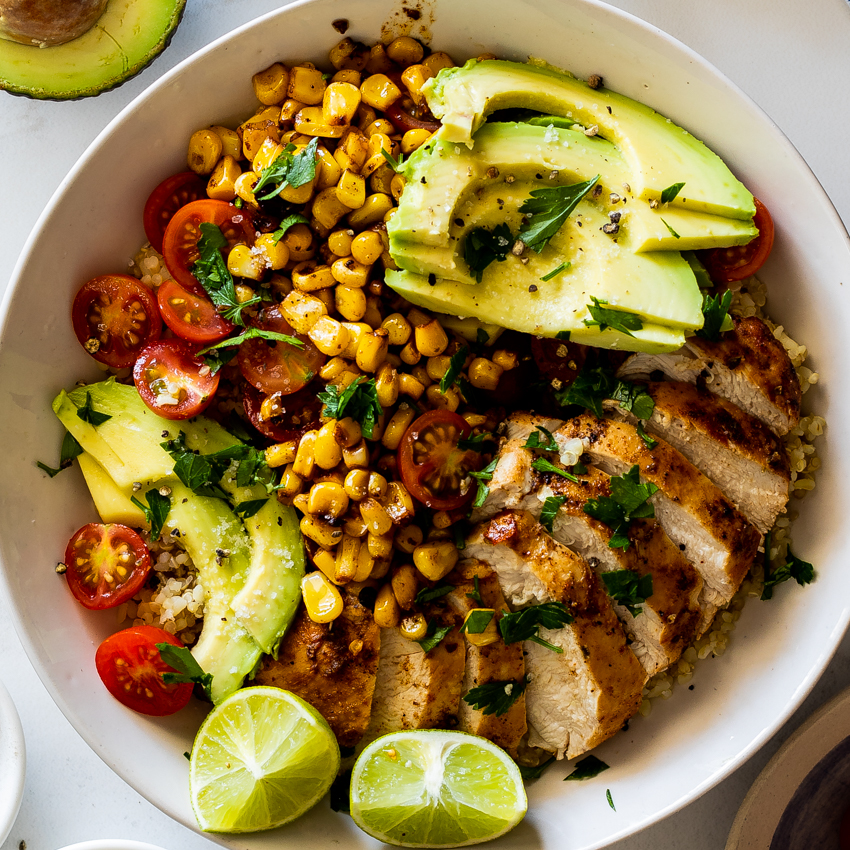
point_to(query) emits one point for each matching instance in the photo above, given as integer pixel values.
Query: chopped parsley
(610, 799)
(477, 621)
(563, 335)
(716, 318)
(546, 444)
(528, 772)
(496, 697)
(628, 501)
(88, 414)
(550, 510)
(482, 247)
(482, 478)
(476, 593)
(249, 507)
(456, 362)
(429, 594)
(650, 442)
(526, 624)
(628, 588)
(289, 221)
(587, 768)
(481, 339)
(70, 450)
(188, 670)
(395, 164)
(288, 170)
(433, 636)
(556, 271)
(670, 192)
(215, 358)
(615, 319)
(547, 209)
(540, 464)
(476, 442)
(359, 400)
(676, 235)
(155, 511)
(801, 571)
(595, 384)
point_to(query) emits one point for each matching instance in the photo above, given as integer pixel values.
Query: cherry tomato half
(278, 367)
(114, 317)
(557, 358)
(130, 666)
(106, 564)
(180, 242)
(433, 468)
(190, 316)
(299, 413)
(172, 381)
(404, 120)
(174, 192)
(729, 264)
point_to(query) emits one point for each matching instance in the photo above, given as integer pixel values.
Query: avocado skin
(38, 73)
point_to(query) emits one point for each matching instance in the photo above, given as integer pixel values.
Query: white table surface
(792, 58)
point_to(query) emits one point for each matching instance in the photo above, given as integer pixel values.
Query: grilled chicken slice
(711, 532)
(518, 426)
(748, 367)
(331, 666)
(736, 451)
(485, 665)
(580, 697)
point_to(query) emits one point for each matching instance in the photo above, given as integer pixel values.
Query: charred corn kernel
(327, 499)
(410, 355)
(357, 484)
(365, 116)
(398, 329)
(398, 424)
(327, 169)
(368, 566)
(244, 184)
(301, 501)
(222, 183)
(387, 612)
(349, 54)
(435, 559)
(405, 51)
(274, 251)
(231, 144)
(350, 272)
(376, 159)
(437, 366)
(405, 585)
(491, 631)
(351, 190)
(322, 601)
(366, 248)
(280, 285)
(332, 369)
(290, 482)
(372, 348)
(421, 375)
(327, 209)
(484, 374)
(321, 532)
(408, 538)
(376, 518)
(339, 103)
(373, 211)
(306, 85)
(305, 458)
(281, 454)
(381, 178)
(417, 317)
(340, 242)
(325, 560)
(290, 109)
(414, 77)
(437, 61)
(431, 339)
(356, 457)
(348, 75)
(398, 503)
(373, 316)
(243, 262)
(348, 432)
(448, 400)
(301, 243)
(378, 427)
(311, 122)
(352, 149)
(414, 139)
(205, 149)
(347, 559)
(355, 331)
(377, 486)
(326, 450)
(269, 151)
(298, 194)
(354, 526)
(413, 626)
(329, 336)
(271, 85)
(350, 303)
(308, 276)
(441, 519)
(386, 385)
(410, 386)
(378, 61)
(474, 420)
(302, 311)
(505, 360)
(380, 568)
(379, 91)
(244, 293)
(379, 546)
(383, 129)
(254, 133)
(397, 186)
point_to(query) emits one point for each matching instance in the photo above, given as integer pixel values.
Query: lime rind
(433, 788)
(261, 758)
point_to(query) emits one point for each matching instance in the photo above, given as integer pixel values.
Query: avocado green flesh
(659, 153)
(128, 35)
(253, 592)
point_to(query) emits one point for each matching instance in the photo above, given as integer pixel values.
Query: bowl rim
(13, 761)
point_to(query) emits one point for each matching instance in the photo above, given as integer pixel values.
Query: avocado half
(126, 37)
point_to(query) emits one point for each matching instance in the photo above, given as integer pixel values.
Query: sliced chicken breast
(748, 367)
(736, 451)
(581, 696)
(486, 665)
(710, 531)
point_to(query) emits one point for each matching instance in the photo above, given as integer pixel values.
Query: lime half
(430, 788)
(261, 758)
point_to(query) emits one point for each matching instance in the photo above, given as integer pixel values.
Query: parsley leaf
(429, 594)
(476, 593)
(547, 209)
(456, 362)
(540, 464)
(563, 335)
(155, 511)
(587, 768)
(628, 588)
(650, 442)
(482, 247)
(547, 444)
(550, 511)
(594, 384)
(477, 620)
(531, 772)
(70, 449)
(395, 164)
(216, 361)
(289, 221)
(670, 192)
(476, 442)
(615, 319)
(288, 170)
(556, 271)
(188, 670)
(482, 477)
(433, 636)
(634, 398)
(249, 508)
(359, 400)
(88, 414)
(525, 624)
(610, 799)
(481, 340)
(801, 571)
(496, 697)
(716, 319)
(628, 501)
(50, 470)
(676, 235)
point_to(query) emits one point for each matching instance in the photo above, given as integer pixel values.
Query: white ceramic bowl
(111, 844)
(93, 225)
(12, 763)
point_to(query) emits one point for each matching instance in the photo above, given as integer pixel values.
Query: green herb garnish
(359, 400)
(429, 594)
(628, 501)
(794, 568)
(556, 271)
(395, 164)
(528, 772)
(615, 319)
(70, 450)
(526, 624)
(628, 588)
(650, 442)
(676, 235)
(188, 670)
(88, 414)
(155, 511)
(433, 636)
(670, 192)
(716, 318)
(289, 221)
(456, 362)
(476, 593)
(482, 247)
(249, 507)
(482, 477)
(476, 442)
(595, 384)
(288, 170)
(587, 768)
(547, 209)
(546, 444)
(216, 361)
(563, 335)
(496, 697)
(477, 621)
(610, 799)
(540, 464)
(550, 510)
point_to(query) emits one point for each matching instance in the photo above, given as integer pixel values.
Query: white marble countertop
(790, 57)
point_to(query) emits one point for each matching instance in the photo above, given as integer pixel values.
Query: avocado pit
(45, 23)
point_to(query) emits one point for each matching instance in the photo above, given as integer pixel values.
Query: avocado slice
(659, 153)
(126, 37)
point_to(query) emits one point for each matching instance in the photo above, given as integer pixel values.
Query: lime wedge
(261, 758)
(430, 788)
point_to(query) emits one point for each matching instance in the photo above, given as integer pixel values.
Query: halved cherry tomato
(106, 564)
(174, 192)
(557, 358)
(191, 316)
(172, 380)
(299, 413)
(130, 666)
(114, 317)
(433, 468)
(729, 264)
(180, 242)
(278, 367)
(404, 120)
